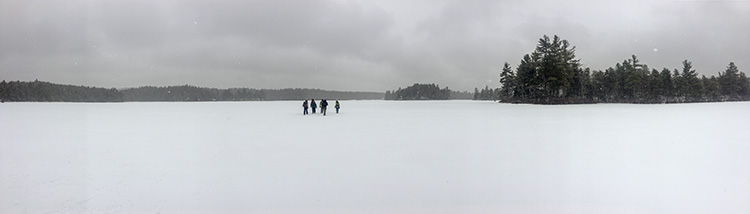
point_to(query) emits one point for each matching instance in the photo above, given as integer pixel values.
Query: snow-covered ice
(374, 157)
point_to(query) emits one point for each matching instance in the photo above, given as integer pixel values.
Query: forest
(192, 93)
(551, 74)
(428, 92)
(486, 93)
(419, 92)
(303, 94)
(40, 91)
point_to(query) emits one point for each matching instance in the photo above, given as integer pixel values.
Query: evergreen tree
(557, 65)
(507, 79)
(654, 90)
(526, 84)
(3, 86)
(691, 85)
(730, 82)
(679, 86)
(581, 79)
(596, 90)
(666, 87)
(616, 82)
(635, 79)
(744, 87)
(711, 88)
(549, 72)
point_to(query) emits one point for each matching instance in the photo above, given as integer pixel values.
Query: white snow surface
(374, 157)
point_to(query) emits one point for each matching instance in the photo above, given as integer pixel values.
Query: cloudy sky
(351, 44)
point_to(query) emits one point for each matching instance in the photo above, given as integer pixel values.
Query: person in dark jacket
(323, 106)
(313, 105)
(304, 106)
(337, 106)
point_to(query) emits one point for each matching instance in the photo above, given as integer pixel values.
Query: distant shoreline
(41, 91)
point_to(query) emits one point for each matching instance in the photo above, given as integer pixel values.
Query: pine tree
(635, 76)
(507, 79)
(557, 66)
(582, 81)
(730, 82)
(526, 83)
(549, 72)
(653, 92)
(596, 89)
(691, 86)
(711, 88)
(666, 87)
(744, 87)
(3, 91)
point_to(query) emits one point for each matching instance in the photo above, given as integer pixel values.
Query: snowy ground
(375, 157)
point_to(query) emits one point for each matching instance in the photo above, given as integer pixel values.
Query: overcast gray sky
(350, 44)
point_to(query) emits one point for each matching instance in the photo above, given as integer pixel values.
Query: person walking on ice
(313, 105)
(337, 106)
(323, 106)
(304, 106)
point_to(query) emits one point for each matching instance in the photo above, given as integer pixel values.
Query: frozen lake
(374, 157)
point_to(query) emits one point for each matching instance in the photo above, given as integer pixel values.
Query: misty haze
(349, 106)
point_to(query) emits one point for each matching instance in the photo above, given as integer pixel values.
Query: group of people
(323, 106)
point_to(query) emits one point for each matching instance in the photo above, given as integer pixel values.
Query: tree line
(39, 91)
(419, 92)
(551, 74)
(190, 93)
(461, 95)
(486, 93)
(305, 94)
(428, 92)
